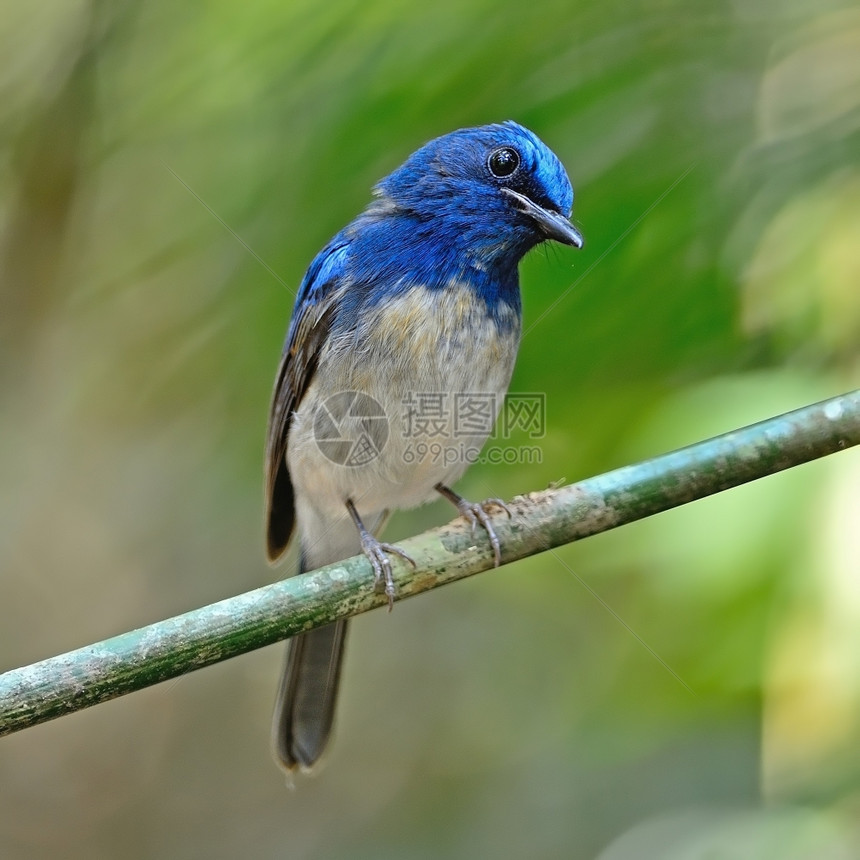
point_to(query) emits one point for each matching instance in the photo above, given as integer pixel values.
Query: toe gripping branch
(476, 513)
(376, 552)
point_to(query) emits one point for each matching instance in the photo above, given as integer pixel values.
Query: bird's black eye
(503, 162)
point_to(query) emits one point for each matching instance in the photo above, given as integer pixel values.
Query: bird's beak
(552, 224)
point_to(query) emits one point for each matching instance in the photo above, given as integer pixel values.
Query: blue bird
(398, 356)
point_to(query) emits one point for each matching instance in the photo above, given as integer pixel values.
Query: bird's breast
(446, 339)
(430, 369)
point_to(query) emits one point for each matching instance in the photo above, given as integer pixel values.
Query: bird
(397, 358)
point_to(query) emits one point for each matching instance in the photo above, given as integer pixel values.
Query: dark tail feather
(304, 708)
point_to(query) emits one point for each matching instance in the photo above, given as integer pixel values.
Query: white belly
(403, 404)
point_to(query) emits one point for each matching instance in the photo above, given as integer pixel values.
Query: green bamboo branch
(539, 521)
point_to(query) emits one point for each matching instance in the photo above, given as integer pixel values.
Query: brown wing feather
(294, 376)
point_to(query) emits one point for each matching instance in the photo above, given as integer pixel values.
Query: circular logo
(350, 428)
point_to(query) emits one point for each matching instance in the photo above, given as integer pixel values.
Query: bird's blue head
(491, 193)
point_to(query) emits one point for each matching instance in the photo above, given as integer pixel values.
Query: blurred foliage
(715, 153)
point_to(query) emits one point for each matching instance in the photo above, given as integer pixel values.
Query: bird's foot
(477, 513)
(376, 552)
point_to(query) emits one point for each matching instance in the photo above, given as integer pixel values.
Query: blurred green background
(715, 152)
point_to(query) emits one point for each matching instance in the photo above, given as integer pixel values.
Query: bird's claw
(383, 578)
(476, 513)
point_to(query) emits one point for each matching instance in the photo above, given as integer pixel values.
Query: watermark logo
(474, 413)
(446, 428)
(435, 414)
(446, 456)
(526, 412)
(426, 414)
(351, 428)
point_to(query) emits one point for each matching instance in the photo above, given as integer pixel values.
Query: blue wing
(314, 310)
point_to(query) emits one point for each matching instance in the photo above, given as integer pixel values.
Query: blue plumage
(416, 301)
